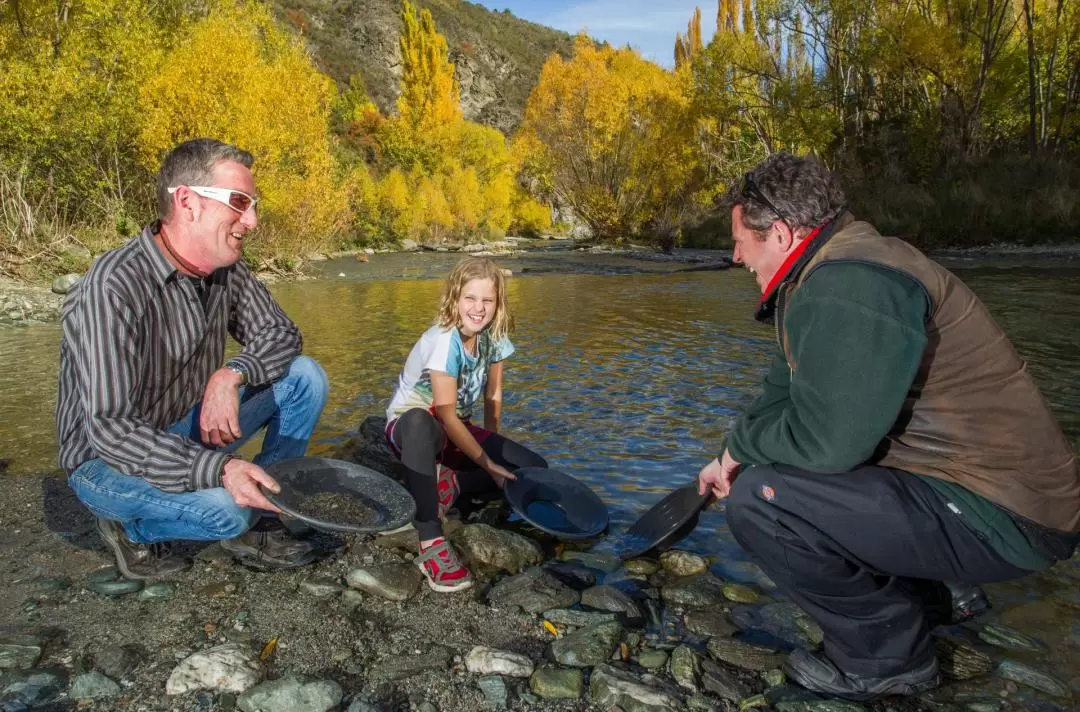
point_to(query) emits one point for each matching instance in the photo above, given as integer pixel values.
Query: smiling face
(476, 306)
(219, 230)
(762, 257)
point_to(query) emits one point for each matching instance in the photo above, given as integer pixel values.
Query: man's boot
(817, 673)
(140, 561)
(968, 601)
(269, 550)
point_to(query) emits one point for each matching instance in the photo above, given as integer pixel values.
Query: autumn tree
(429, 92)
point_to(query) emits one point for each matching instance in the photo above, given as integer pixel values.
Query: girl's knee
(417, 423)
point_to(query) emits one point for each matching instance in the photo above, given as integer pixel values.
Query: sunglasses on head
(238, 200)
(750, 190)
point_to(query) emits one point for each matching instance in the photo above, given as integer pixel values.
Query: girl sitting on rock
(429, 424)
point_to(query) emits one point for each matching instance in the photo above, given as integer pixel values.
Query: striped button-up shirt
(137, 351)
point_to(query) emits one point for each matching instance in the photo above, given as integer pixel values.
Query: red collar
(786, 267)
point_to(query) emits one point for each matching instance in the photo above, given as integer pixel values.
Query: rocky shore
(547, 627)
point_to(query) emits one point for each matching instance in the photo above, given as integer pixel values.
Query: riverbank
(545, 628)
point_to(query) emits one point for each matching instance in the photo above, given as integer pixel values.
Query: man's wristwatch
(238, 368)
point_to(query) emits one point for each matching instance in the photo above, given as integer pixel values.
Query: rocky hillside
(498, 56)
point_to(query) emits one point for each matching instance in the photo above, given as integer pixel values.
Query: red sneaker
(442, 567)
(446, 489)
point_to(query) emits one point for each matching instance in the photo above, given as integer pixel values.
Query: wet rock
(588, 646)
(1037, 679)
(578, 619)
(610, 687)
(119, 587)
(359, 704)
(744, 655)
(496, 549)
(609, 598)
(399, 668)
(960, 661)
(29, 689)
(116, 661)
(93, 686)
(64, 283)
(685, 667)
(783, 620)
(291, 694)
(738, 593)
(368, 448)
(594, 560)
(48, 585)
(20, 652)
(396, 582)
(489, 661)
(161, 591)
(552, 683)
(321, 587)
(533, 590)
(682, 563)
(641, 567)
(109, 573)
(1010, 638)
(576, 576)
(721, 683)
(494, 689)
(709, 622)
(700, 591)
(819, 706)
(652, 659)
(226, 668)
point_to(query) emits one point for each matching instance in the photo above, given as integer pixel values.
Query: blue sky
(647, 25)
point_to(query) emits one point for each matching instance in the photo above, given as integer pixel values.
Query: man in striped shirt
(149, 413)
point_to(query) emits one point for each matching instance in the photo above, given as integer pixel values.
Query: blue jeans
(289, 408)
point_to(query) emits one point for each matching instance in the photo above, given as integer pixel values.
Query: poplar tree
(429, 92)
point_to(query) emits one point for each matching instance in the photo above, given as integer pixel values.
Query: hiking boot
(443, 569)
(140, 561)
(818, 674)
(269, 550)
(969, 601)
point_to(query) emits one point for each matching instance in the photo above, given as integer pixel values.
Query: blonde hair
(464, 272)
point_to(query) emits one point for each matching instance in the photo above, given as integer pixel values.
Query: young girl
(428, 420)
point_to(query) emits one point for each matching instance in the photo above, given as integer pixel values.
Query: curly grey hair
(801, 190)
(192, 163)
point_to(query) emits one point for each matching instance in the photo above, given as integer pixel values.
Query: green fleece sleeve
(857, 336)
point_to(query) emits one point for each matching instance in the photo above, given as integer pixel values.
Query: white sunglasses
(238, 200)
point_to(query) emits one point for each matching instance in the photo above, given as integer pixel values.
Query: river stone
(593, 559)
(709, 622)
(64, 283)
(641, 567)
(93, 686)
(819, 706)
(588, 646)
(489, 661)
(783, 620)
(610, 687)
(1010, 638)
(721, 683)
(744, 655)
(321, 587)
(496, 549)
(359, 704)
(700, 591)
(652, 659)
(120, 587)
(682, 563)
(609, 598)
(401, 667)
(49, 585)
(578, 619)
(109, 573)
(1024, 675)
(116, 661)
(20, 651)
(161, 591)
(685, 667)
(396, 582)
(554, 683)
(738, 593)
(28, 689)
(291, 694)
(231, 667)
(576, 576)
(495, 690)
(533, 590)
(960, 661)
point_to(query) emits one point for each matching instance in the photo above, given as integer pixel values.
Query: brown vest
(974, 415)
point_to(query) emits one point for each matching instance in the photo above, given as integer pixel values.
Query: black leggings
(420, 439)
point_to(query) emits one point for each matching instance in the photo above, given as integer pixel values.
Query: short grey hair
(802, 189)
(192, 163)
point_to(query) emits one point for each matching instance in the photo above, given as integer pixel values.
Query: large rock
(20, 652)
(64, 283)
(93, 686)
(700, 591)
(682, 563)
(494, 549)
(291, 694)
(685, 667)
(588, 646)
(610, 687)
(231, 667)
(116, 661)
(721, 683)
(552, 683)
(31, 689)
(396, 582)
(368, 447)
(744, 655)
(489, 661)
(609, 598)
(435, 657)
(534, 591)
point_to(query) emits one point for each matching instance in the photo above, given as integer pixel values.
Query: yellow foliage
(429, 93)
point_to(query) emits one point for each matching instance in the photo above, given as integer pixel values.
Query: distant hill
(498, 56)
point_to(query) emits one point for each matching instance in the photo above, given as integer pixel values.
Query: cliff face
(497, 56)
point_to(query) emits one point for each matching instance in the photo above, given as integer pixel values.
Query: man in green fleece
(899, 441)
